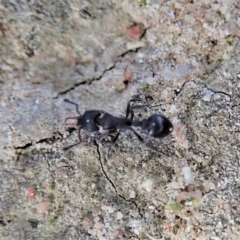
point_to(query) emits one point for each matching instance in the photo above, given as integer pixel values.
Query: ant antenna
(77, 107)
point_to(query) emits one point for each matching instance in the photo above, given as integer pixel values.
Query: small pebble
(148, 185)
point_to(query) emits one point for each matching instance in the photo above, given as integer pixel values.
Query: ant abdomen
(159, 126)
(156, 125)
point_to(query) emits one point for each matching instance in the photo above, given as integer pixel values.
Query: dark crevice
(179, 90)
(33, 223)
(104, 172)
(220, 92)
(89, 81)
(56, 136)
(129, 51)
(86, 82)
(86, 14)
(112, 183)
(215, 138)
(24, 146)
(3, 223)
(71, 88)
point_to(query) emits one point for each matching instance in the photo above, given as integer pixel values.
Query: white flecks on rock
(148, 185)
(207, 95)
(119, 215)
(132, 194)
(187, 174)
(133, 223)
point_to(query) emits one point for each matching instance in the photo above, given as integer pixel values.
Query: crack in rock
(219, 92)
(112, 183)
(51, 140)
(88, 82)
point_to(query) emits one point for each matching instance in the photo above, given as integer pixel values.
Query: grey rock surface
(181, 57)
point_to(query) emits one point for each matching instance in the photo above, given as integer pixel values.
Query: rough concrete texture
(181, 57)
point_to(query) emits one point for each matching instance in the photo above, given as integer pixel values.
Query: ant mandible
(103, 123)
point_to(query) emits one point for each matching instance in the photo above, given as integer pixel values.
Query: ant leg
(112, 143)
(76, 105)
(128, 110)
(70, 146)
(71, 118)
(75, 144)
(70, 125)
(147, 144)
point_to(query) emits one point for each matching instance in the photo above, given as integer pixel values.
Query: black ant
(100, 122)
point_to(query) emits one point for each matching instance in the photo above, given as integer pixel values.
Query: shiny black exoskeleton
(103, 123)
(156, 125)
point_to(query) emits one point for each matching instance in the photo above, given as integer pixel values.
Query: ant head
(158, 126)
